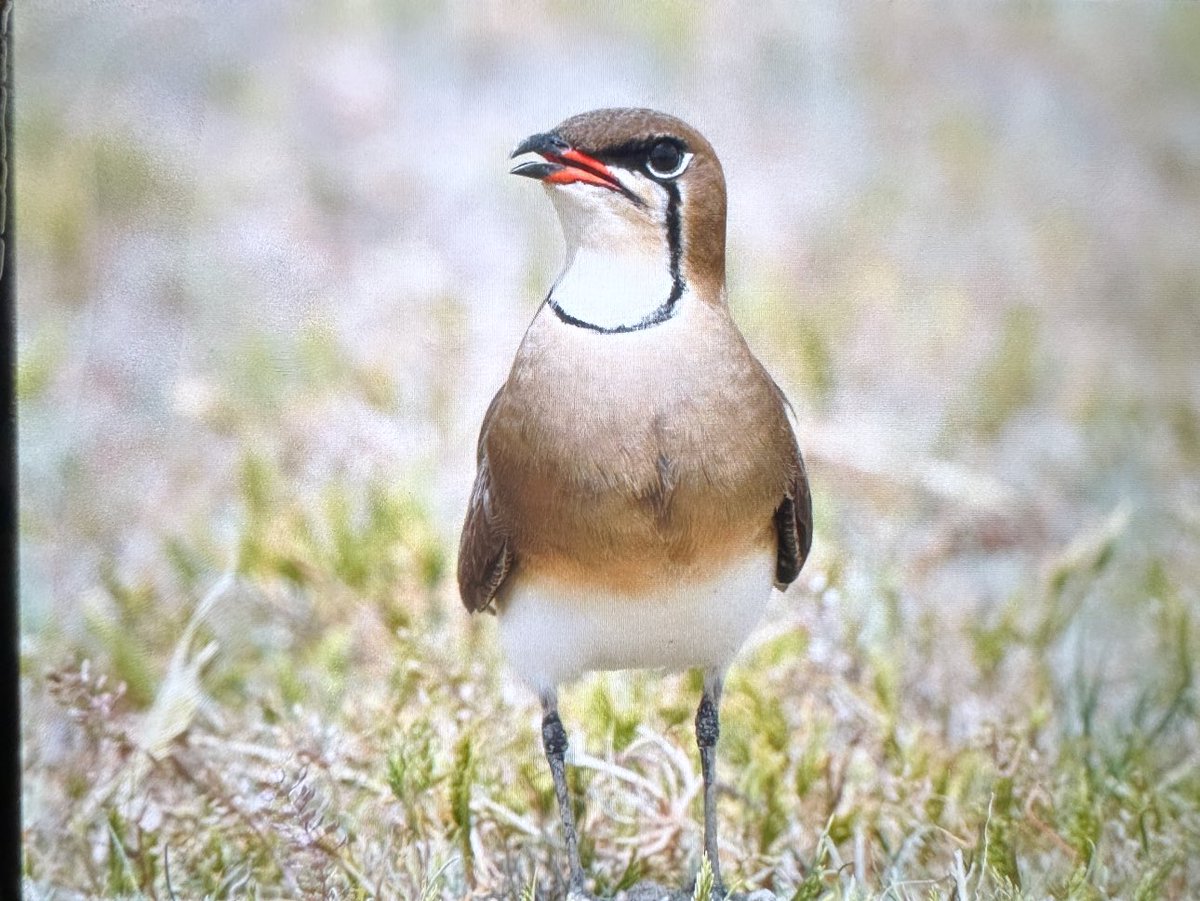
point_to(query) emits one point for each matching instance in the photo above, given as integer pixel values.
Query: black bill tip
(535, 169)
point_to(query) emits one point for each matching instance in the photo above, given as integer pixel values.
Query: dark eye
(667, 160)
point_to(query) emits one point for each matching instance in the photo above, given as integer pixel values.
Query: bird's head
(635, 179)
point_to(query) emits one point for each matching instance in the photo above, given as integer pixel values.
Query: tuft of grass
(119, 878)
(529, 892)
(462, 776)
(410, 766)
(368, 538)
(1153, 881)
(705, 880)
(606, 716)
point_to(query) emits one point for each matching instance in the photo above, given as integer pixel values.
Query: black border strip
(10, 669)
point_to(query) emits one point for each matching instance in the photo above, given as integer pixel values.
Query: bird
(639, 485)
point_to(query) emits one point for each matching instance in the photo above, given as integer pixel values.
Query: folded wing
(485, 558)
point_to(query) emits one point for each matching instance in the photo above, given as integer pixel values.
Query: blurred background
(272, 269)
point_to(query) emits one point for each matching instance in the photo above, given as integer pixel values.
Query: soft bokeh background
(271, 272)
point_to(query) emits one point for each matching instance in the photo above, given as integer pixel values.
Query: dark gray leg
(554, 740)
(708, 729)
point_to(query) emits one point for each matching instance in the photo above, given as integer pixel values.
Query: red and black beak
(564, 164)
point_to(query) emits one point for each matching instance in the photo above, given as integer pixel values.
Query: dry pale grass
(366, 751)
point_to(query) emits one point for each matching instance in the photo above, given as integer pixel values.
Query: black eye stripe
(632, 154)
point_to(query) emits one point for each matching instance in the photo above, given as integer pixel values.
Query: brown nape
(702, 185)
(704, 226)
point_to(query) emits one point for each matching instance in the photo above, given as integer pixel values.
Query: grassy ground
(245, 455)
(305, 730)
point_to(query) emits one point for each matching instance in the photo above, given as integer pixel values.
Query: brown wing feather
(484, 556)
(793, 516)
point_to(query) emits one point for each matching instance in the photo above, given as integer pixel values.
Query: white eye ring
(684, 160)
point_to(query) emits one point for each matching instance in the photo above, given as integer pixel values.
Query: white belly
(553, 633)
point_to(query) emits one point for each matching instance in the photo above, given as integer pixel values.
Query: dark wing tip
(788, 557)
(480, 581)
(793, 526)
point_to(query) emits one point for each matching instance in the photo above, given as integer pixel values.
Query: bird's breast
(624, 460)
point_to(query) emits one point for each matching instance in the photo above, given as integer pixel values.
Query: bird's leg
(708, 729)
(554, 740)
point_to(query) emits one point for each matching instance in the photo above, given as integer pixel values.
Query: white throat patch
(610, 290)
(618, 269)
